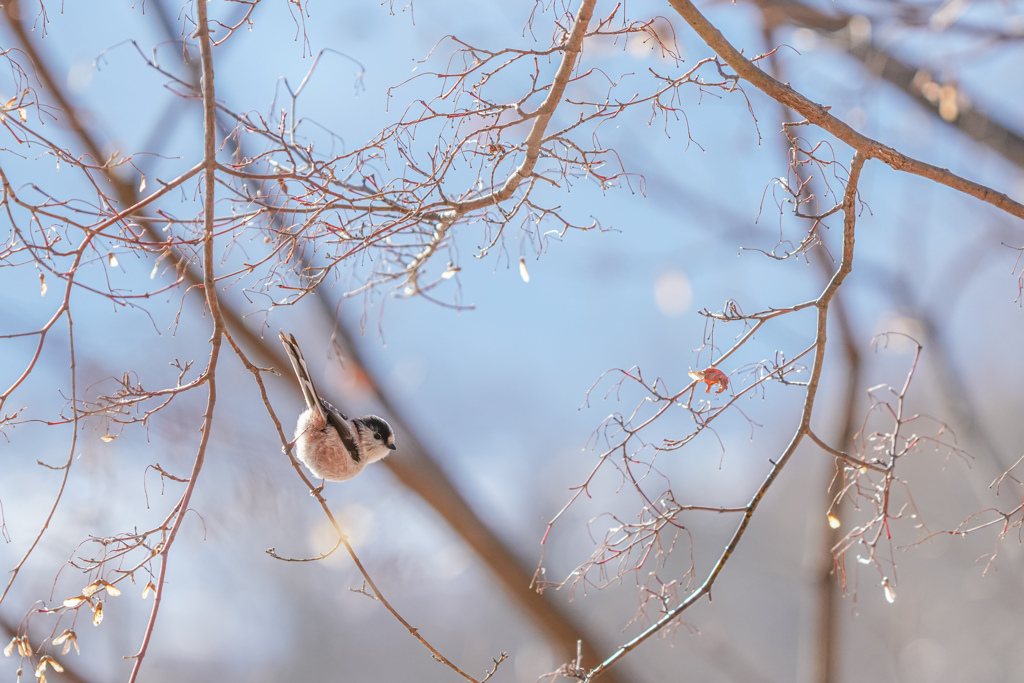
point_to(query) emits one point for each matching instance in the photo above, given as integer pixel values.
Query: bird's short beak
(392, 446)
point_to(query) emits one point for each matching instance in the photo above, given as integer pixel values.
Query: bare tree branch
(944, 100)
(212, 303)
(821, 336)
(820, 116)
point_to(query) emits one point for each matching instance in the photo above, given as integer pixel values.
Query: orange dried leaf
(24, 649)
(711, 377)
(112, 590)
(76, 601)
(97, 615)
(149, 587)
(523, 272)
(833, 522)
(42, 285)
(91, 589)
(23, 115)
(10, 646)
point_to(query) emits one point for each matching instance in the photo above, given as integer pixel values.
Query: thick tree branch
(912, 80)
(819, 115)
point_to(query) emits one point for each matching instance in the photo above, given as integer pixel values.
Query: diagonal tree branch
(819, 651)
(822, 304)
(419, 470)
(534, 140)
(913, 81)
(819, 115)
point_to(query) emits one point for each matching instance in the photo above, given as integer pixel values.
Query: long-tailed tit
(332, 446)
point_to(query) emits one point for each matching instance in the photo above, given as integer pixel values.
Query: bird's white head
(375, 436)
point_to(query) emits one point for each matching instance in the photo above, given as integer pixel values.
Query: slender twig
(210, 290)
(846, 457)
(63, 309)
(342, 537)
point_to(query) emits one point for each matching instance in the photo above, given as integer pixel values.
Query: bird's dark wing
(337, 419)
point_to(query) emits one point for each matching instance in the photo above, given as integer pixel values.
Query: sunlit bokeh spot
(80, 75)
(673, 293)
(359, 523)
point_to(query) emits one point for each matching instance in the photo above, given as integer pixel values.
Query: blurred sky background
(497, 392)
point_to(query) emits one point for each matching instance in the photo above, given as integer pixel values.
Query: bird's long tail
(291, 347)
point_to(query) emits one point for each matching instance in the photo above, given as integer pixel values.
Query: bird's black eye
(377, 436)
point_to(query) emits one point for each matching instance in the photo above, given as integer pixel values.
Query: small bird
(332, 446)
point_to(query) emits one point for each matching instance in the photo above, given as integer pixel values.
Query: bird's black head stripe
(378, 425)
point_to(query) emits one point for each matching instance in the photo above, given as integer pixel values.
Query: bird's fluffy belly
(321, 449)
